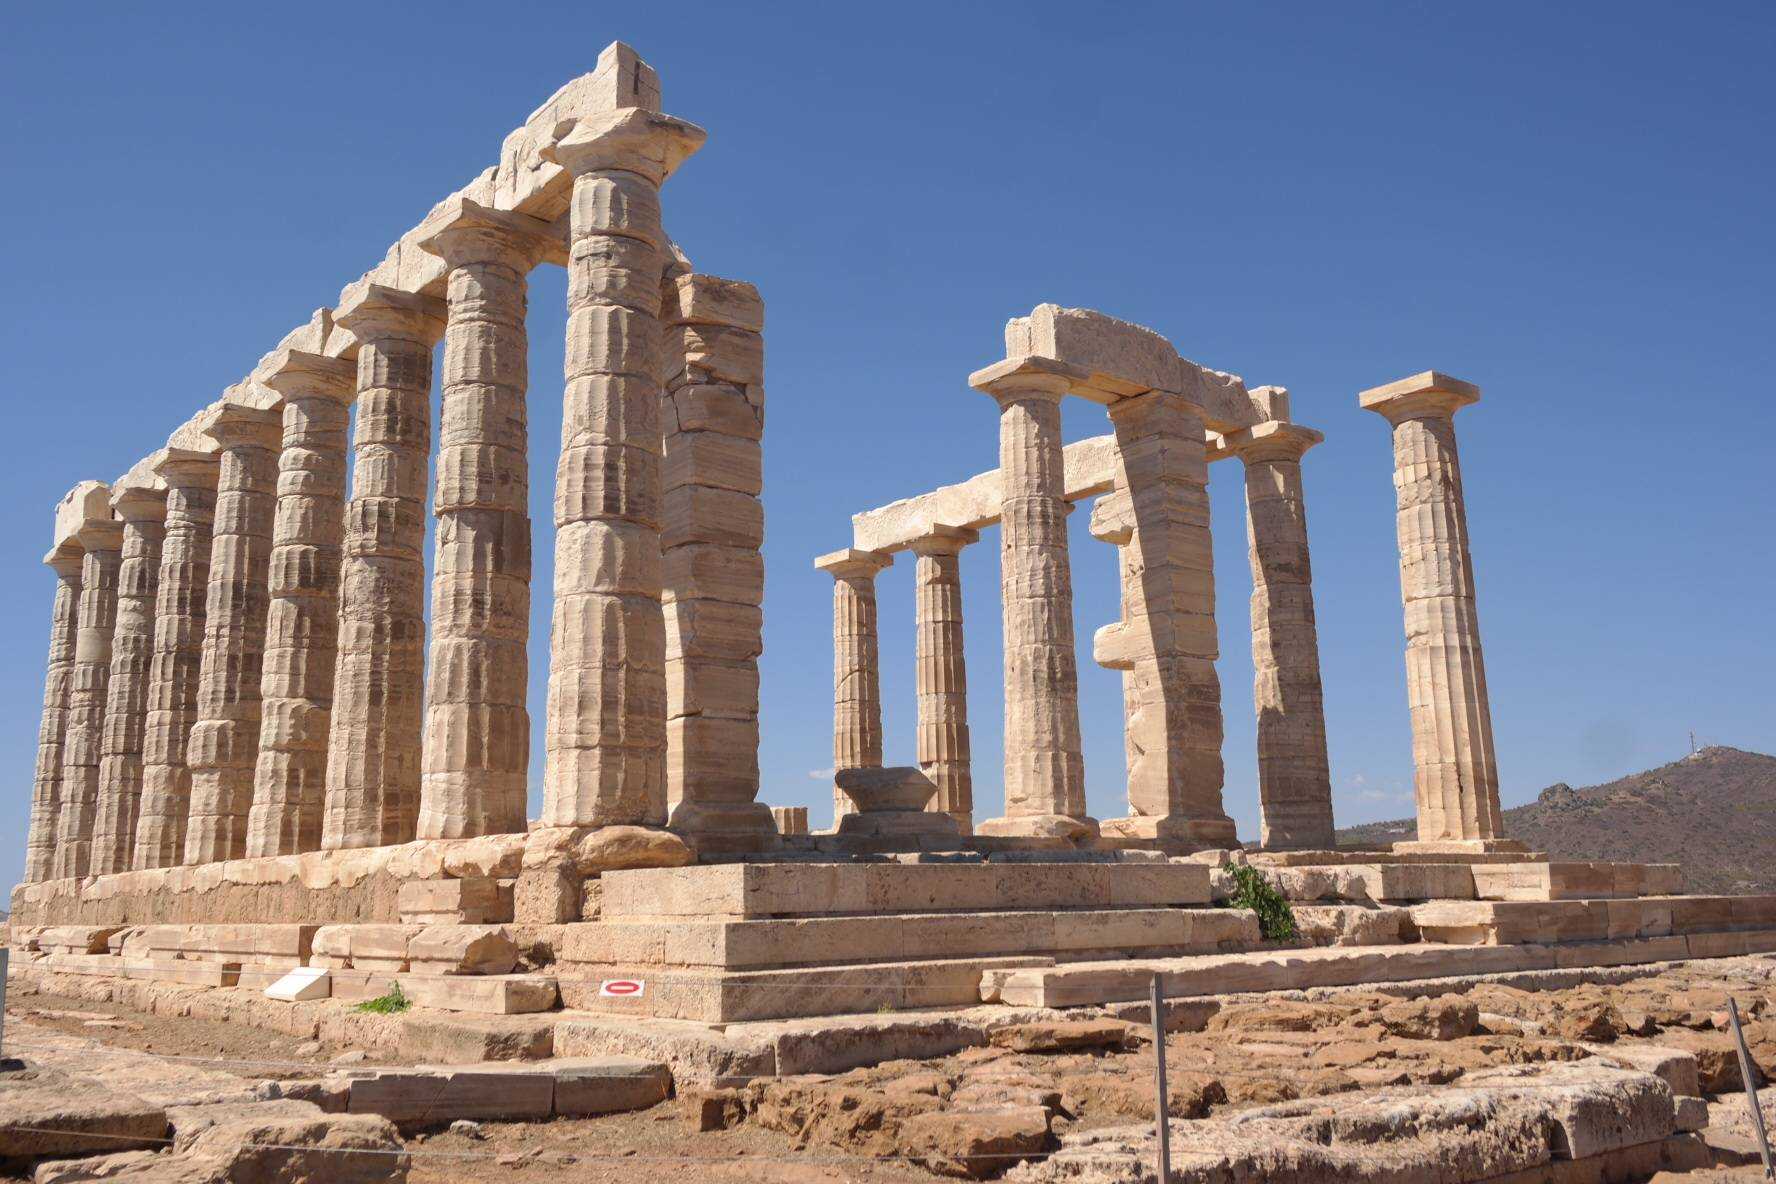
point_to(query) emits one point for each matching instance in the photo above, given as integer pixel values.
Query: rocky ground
(1063, 1098)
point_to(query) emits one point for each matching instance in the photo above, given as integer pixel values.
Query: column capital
(1428, 395)
(139, 503)
(944, 540)
(629, 139)
(462, 232)
(1271, 441)
(65, 560)
(1027, 376)
(187, 468)
(298, 374)
(235, 425)
(377, 311)
(852, 564)
(100, 535)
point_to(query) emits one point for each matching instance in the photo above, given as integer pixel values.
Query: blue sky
(1567, 204)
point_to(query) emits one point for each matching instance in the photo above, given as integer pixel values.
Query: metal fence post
(1162, 1116)
(1747, 1070)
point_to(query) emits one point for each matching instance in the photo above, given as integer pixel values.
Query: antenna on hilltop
(1692, 741)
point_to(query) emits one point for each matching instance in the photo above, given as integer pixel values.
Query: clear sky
(1566, 204)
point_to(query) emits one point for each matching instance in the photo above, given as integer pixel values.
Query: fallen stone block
(431, 1096)
(1062, 1036)
(696, 1054)
(1676, 1067)
(588, 1086)
(841, 1043)
(50, 1114)
(975, 1143)
(465, 1039)
(293, 1141)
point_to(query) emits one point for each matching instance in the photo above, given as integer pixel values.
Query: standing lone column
(302, 624)
(1294, 784)
(942, 673)
(180, 613)
(143, 511)
(1455, 772)
(857, 679)
(224, 747)
(606, 733)
(1044, 771)
(88, 688)
(476, 759)
(46, 789)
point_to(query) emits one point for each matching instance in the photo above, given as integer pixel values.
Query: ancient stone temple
(258, 752)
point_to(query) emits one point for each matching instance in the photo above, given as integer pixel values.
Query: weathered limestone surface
(606, 731)
(942, 673)
(1455, 771)
(180, 613)
(1294, 783)
(142, 509)
(372, 796)
(302, 623)
(477, 727)
(1165, 643)
(857, 679)
(714, 574)
(224, 745)
(101, 540)
(46, 787)
(1044, 770)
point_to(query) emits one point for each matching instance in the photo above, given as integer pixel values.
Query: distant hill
(1714, 812)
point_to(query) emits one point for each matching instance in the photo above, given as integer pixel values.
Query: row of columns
(238, 653)
(1157, 514)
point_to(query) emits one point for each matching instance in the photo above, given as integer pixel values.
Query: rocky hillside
(1714, 812)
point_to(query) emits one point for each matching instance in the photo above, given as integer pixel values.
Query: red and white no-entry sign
(621, 988)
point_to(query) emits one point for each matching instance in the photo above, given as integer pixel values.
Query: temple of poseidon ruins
(256, 755)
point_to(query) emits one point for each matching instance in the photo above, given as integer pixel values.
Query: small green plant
(1253, 891)
(392, 1003)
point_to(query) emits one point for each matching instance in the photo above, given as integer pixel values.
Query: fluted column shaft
(46, 788)
(180, 613)
(606, 729)
(132, 657)
(857, 680)
(88, 692)
(1455, 770)
(302, 624)
(1294, 783)
(372, 797)
(224, 746)
(942, 673)
(475, 764)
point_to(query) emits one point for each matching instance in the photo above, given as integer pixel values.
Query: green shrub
(392, 1003)
(1253, 891)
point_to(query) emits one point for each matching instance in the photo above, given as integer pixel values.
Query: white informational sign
(302, 983)
(621, 988)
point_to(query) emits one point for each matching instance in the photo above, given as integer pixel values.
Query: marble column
(606, 729)
(88, 691)
(714, 572)
(143, 513)
(1044, 770)
(475, 763)
(1165, 642)
(46, 788)
(1294, 785)
(223, 750)
(942, 672)
(857, 678)
(180, 613)
(302, 624)
(372, 797)
(1455, 772)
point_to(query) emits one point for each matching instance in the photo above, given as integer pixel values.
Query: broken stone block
(504, 994)
(462, 949)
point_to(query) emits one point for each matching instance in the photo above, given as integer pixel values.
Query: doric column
(713, 570)
(606, 732)
(88, 688)
(1455, 772)
(224, 747)
(180, 613)
(474, 769)
(302, 624)
(1165, 643)
(1294, 786)
(379, 680)
(1044, 771)
(942, 672)
(857, 679)
(143, 512)
(46, 789)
